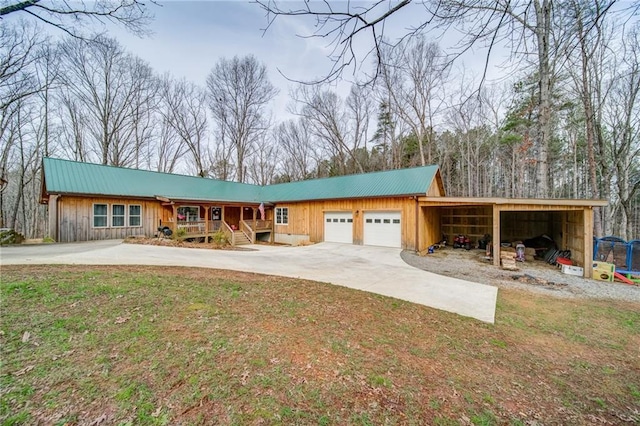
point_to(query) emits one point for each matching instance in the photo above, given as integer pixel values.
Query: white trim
(123, 216)
(279, 217)
(128, 221)
(93, 216)
(191, 207)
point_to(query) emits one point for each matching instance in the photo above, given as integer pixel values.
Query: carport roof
(547, 202)
(72, 177)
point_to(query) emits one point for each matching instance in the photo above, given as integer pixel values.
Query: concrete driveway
(374, 269)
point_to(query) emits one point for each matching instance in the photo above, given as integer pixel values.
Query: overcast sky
(189, 37)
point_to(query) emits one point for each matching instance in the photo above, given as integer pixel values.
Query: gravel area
(533, 275)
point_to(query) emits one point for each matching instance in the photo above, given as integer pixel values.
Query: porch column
(273, 224)
(174, 219)
(206, 220)
(587, 217)
(496, 235)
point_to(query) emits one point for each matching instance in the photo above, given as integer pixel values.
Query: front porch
(240, 224)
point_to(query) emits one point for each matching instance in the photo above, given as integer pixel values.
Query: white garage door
(382, 229)
(338, 227)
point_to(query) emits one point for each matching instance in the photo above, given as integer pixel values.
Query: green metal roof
(71, 177)
(414, 181)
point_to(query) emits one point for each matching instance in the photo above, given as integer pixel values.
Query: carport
(568, 222)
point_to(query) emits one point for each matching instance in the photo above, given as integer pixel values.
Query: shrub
(219, 237)
(9, 236)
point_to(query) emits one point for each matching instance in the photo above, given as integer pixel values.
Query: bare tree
(71, 17)
(18, 47)
(414, 75)
(299, 156)
(73, 133)
(239, 91)
(111, 87)
(184, 110)
(339, 126)
(588, 61)
(341, 23)
(169, 149)
(623, 119)
(529, 27)
(262, 165)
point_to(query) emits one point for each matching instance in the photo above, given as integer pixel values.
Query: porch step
(240, 238)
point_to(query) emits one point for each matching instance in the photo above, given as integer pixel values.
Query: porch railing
(214, 225)
(228, 232)
(246, 229)
(262, 225)
(197, 227)
(190, 227)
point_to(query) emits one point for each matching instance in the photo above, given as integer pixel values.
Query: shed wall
(472, 221)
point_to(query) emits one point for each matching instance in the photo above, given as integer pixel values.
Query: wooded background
(564, 122)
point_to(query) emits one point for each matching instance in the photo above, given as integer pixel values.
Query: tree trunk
(543, 30)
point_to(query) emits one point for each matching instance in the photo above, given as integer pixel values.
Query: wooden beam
(207, 211)
(519, 202)
(495, 239)
(53, 216)
(163, 199)
(588, 242)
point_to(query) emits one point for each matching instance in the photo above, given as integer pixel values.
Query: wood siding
(307, 218)
(431, 227)
(75, 219)
(435, 189)
(472, 221)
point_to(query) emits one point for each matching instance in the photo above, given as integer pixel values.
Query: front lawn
(149, 345)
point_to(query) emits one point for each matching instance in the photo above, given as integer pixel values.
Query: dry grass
(146, 345)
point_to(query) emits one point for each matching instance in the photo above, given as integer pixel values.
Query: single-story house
(405, 208)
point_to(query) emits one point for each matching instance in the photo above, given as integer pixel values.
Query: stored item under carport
(572, 270)
(462, 241)
(603, 271)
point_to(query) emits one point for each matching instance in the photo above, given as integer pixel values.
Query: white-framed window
(117, 215)
(282, 215)
(189, 213)
(100, 215)
(135, 215)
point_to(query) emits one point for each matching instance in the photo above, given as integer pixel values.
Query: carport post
(495, 240)
(587, 217)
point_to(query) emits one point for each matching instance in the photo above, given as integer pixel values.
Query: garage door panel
(338, 227)
(383, 229)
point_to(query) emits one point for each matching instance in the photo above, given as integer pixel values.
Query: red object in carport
(619, 276)
(564, 261)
